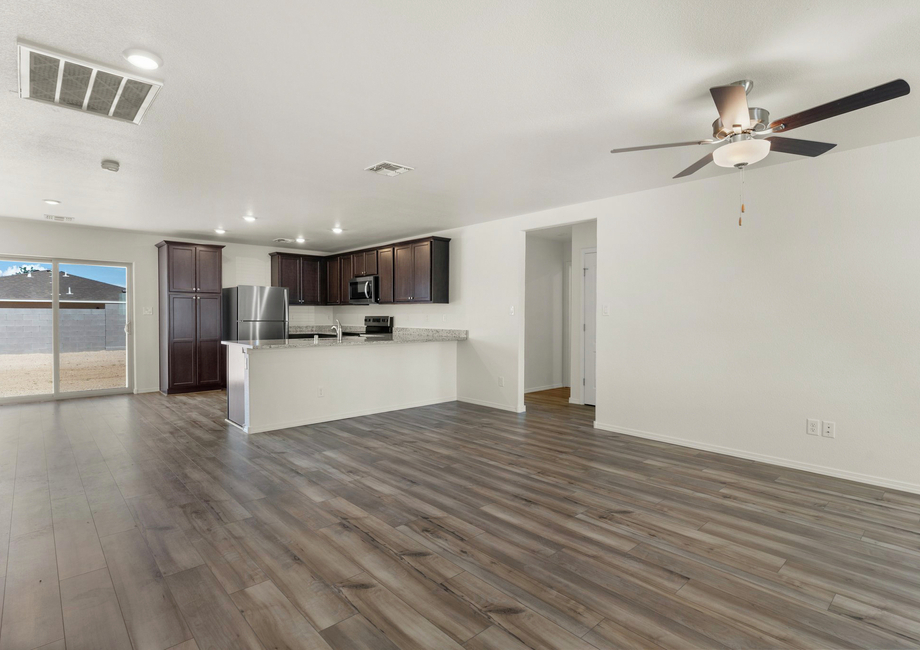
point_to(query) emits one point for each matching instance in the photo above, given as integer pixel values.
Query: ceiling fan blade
(877, 95)
(695, 167)
(799, 147)
(662, 146)
(732, 104)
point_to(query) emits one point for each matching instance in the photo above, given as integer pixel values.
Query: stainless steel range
(378, 327)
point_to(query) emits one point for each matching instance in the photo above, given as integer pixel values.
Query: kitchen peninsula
(274, 384)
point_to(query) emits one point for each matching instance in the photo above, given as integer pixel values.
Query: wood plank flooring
(147, 522)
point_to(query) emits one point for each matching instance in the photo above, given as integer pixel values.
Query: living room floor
(146, 520)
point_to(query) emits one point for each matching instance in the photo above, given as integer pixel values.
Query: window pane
(25, 329)
(92, 327)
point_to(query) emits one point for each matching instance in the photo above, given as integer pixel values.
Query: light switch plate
(813, 427)
(606, 310)
(148, 311)
(828, 431)
(512, 310)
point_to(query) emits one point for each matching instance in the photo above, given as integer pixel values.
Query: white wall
(728, 338)
(241, 265)
(543, 304)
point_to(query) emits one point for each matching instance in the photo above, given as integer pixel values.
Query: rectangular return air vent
(388, 168)
(57, 78)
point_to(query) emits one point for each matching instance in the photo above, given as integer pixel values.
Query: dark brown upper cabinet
(301, 275)
(385, 271)
(410, 272)
(192, 267)
(421, 271)
(191, 355)
(364, 263)
(333, 283)
(346, 273)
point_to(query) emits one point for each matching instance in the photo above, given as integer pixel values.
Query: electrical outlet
(321, 392)
(501, 381)
(828, 431)
(512, 310)
(148, 311)
(813, 427)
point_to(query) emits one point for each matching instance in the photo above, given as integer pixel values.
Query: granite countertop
(400, 335)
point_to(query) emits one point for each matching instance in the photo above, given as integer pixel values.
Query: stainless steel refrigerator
(255, 313)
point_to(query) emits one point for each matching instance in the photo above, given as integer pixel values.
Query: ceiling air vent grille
(388, 168)
(57, 217)
(58, 78)
(283, 240)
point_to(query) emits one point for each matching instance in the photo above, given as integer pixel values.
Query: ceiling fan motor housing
(760, 118)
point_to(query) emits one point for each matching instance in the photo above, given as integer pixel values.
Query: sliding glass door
(26, 362)
(64, 328)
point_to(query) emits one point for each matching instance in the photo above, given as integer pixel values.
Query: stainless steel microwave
(364, 290)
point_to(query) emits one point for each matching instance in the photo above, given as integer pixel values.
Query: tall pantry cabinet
(191, 355)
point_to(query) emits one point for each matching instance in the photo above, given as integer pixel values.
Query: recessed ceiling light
(249, 218)
(142, 59)
(52, 202)
(220, 231)
(300, 240)
(337, 230)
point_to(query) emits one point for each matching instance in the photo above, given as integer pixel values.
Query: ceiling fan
(747, 133)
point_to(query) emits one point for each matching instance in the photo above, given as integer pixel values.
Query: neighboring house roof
(73, 288)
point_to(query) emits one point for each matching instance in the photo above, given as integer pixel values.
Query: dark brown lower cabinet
(210, 353)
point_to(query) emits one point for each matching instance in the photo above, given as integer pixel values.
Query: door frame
(584, 322)
(56, 393)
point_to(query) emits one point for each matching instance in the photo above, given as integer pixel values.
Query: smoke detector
(57, 217)
(53, 77)
(111, 165)
(388, 168)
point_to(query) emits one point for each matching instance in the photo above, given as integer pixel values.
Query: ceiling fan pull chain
(742, 195)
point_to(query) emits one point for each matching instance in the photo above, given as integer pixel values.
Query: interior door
(590, 329)
(421, 272)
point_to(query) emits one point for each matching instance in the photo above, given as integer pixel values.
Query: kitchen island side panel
(284, 384)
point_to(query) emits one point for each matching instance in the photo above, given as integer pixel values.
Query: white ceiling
(502, 107)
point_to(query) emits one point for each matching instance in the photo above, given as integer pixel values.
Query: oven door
(362, 291)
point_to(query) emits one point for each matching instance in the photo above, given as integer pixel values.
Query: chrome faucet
(337, 328)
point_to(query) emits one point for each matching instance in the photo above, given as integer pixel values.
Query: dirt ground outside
(30, 374)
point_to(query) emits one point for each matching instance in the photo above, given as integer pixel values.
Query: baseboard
(572, 400)
(138, 391)
(491, 405)
(343, 416)
(876, 481)
(539, 388)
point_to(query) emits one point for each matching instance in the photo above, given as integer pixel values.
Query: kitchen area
(279, 374)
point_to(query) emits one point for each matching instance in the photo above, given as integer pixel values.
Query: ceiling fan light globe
(741, 152)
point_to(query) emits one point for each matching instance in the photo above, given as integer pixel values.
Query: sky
(116, 275)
